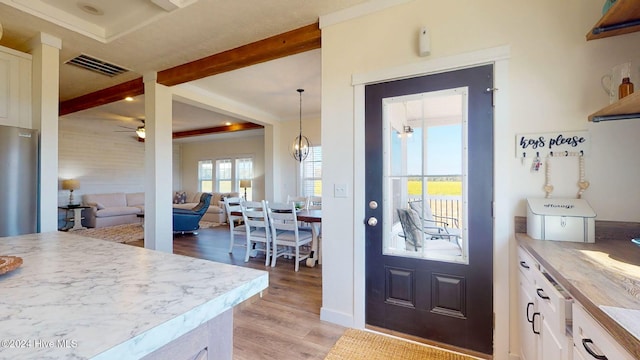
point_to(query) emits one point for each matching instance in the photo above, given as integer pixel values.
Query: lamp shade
(70, 184)
(245, 183)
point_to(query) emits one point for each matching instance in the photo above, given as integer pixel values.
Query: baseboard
(336, 317)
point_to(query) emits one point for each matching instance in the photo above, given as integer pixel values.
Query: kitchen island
(80, 298)
(604, 277)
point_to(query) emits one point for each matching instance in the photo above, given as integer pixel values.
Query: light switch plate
(340, 190)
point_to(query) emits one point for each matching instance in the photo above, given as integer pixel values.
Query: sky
(444, 151)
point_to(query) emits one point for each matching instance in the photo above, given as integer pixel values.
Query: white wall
(104, 161)
(553, 84)
(193, 152)
(289, 184)
(252, 146)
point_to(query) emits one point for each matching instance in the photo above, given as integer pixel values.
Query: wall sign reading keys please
(552, 144)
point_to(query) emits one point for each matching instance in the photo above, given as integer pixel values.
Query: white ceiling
(142, 37)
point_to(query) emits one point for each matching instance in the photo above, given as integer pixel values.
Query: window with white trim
(224, 173)
(205, 176)
(312, 173)
(244, 171)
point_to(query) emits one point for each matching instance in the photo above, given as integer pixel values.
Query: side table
(77, 216)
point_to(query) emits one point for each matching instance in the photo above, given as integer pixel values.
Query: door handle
(541, 294)
(372, 221)
(528, 306)
(590, 351)
(533, 323)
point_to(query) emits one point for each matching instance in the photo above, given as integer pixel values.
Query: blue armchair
(185, 220)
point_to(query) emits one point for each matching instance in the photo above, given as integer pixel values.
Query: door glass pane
(425, 176)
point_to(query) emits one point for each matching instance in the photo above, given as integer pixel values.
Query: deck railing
(446, 206)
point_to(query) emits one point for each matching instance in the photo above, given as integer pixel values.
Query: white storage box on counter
(561, 219)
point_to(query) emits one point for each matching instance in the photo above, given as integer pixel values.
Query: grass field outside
(435, 188)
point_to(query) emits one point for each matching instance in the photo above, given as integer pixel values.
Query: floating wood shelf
(625, 108)
(622, 18)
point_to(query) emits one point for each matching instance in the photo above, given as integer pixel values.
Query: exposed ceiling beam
(289, 43)
(111, 94)
(217, 129)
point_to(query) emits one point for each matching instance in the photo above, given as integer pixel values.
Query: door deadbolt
(373, 204)
(372, 221)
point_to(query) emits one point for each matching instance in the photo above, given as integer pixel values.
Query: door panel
(426, 279)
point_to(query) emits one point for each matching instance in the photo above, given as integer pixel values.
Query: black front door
(429, 185)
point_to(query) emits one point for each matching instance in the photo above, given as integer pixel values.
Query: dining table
(314, 218)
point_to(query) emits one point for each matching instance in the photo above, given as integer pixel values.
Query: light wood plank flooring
(285, 323)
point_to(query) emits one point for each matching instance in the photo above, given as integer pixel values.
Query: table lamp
(245, 184)
(70, 184)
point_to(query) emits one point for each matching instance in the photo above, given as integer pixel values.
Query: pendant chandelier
(301, 145)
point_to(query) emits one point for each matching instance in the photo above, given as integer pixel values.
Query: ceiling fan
(140, 131)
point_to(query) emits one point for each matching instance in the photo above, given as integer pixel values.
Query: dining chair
(236, 222)
(301, 202)
(256, 220)
(314, 202)
(287, 239)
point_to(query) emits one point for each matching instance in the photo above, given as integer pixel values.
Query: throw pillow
(176, 198)
(183, 197)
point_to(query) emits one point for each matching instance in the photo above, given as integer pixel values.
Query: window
(223, 175)
(312, 173)
(244, 171)
(228, 174)
(205, 176)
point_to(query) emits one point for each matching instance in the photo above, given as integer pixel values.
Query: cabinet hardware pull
(528, 306)
(524, 265)
(533, 323)
(591, 352)
(541, 294)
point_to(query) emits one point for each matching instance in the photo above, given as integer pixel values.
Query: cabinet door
(577, 355)
(526, 309)
(553, 345)
(592, 340)
(8, 95)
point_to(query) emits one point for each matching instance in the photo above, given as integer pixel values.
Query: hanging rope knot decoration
(301, 145)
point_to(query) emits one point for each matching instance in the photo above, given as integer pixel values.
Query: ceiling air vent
(99, 66)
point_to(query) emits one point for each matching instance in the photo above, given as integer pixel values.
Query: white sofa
(120, 208)
(112, 209)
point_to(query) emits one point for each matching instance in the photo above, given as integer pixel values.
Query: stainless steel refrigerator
(18, 181)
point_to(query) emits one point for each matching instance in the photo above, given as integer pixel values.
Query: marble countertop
(81, 298)
(604, 277)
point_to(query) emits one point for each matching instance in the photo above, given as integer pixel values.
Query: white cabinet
(526, 307)
(15, 88)
(545, 311)
(591, 341)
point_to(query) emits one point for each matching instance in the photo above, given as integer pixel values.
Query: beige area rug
(126, 233)
(358, 344)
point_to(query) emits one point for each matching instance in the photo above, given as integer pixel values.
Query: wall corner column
(45, 51)
(158, 225)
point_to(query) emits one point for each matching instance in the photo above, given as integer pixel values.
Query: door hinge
(492, 90)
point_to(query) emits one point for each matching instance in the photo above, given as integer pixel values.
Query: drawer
(592, 340)
(553, 301)
(526, 265)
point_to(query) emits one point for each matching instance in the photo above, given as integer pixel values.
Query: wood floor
(285, 323)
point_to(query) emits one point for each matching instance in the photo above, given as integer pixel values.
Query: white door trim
(499, 56)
